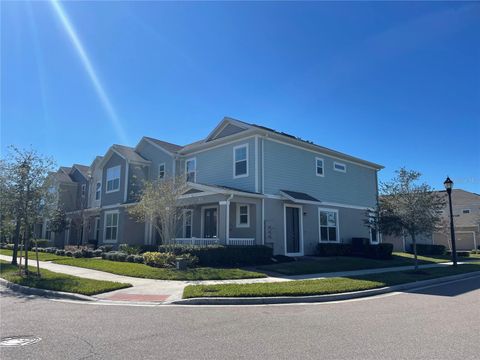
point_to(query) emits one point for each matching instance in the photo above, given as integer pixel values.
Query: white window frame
(466, 211)
(98, 191)
(235, 176)
(110, 241)
(317, 159)
(119, 179)
(164, 171)
(335, 163)
(379, 237)
(83, 190)
(194, 159)
(239, 224)
(320, 226)
(185, 211)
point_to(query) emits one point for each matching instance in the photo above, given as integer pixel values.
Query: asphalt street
(439, 322)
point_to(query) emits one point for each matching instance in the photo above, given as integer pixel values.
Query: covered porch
(220, 215)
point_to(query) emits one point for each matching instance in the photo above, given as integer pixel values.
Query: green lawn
(148, 272)
(346, 263)
(324, 286)
(59, 282)
(32, 256)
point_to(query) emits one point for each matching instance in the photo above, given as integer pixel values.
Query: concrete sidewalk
(166, 291)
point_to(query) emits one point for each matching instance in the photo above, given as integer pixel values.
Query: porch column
(223, 221)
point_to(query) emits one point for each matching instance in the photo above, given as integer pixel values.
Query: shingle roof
(299, 195)
(84, 169)
(129, 153)
(166, 145)
(62, 175)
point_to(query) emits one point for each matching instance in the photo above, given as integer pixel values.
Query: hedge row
(380, 251)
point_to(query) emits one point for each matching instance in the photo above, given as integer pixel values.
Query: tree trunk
(414, 244)
(36, 255)
(16, 241)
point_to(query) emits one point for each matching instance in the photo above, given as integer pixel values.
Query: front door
(210, 223)
(293, 235)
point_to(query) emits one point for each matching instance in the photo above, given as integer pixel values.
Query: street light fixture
(448, 186)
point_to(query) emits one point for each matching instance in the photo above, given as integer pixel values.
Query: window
(328, 225)
(111, 226)
(83, 189)
(161, 171)
(243, 215)
(339, 167)
(240, 161)
(113, 179)
(466, 211)
(374, 236)
(98, 191)
(319, 167)
(187, 223)
(191, 169)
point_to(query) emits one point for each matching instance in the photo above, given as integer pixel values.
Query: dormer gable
(227, 127)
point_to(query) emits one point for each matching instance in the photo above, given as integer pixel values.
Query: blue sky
(397, 83)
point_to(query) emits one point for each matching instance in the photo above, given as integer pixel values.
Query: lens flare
(72, 34)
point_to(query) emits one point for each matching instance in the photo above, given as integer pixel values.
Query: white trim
(119, 179)
(256, 164)
(164, 171)
(184, 223)
(216, 190)
(237, 216)
(153, 144)
(105, 241)
(203, 193)
(223, 124)
(194, 159)
(263, 221)
(335, 163)
(300, 230)
(202, 218)
(239, 139)
(99, 190)
(291, 198)
(317, 159)
(263, 165)
(337, 227)
(378, 237)
(325, 203)
(125, 194)
(246, 146)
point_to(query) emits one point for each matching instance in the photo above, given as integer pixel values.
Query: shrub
(97, 253)
(189, 260)
(130, 258)
(282, 258)
(42, 243)
(60, 252)
(460, 253)
(50, 250)
(334, 249)
(138, 259)
(148, 248)
(381, 251)
(219, 255)
(93, 243)
(68, 253)
(87, 253)
(159, 259)
(359, 245)
(77, 254)
(115, 256)
(106, 248)
(427, 249)
(129, 250)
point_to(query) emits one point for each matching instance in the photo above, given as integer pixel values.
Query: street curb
(319, 298)
(45, 293)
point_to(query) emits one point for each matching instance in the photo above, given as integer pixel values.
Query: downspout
(227, 222)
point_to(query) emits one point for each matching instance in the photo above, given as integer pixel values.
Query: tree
(58, 220)
(25, 173)
(159, 204)
(407, 207)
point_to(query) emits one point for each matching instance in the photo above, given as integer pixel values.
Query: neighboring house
(466, 218)
(248, 184)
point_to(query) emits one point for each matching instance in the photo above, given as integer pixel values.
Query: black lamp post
(448, 186)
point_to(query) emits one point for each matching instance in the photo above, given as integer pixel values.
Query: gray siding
(215, 166)
(129, 230)
(116, 197)
(229, 130)
(291, 168)
(137, 174)
(157, 157)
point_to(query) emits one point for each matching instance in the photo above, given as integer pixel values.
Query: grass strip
(58, 282)
(148, 272)
(32, 257)
(324, 286)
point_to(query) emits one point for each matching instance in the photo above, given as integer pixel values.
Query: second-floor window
(339, 167)
(113, 179)
(240, 161)
(84, 187)
(191, 170)
(161, 171)
(98, 190)
(319, 169)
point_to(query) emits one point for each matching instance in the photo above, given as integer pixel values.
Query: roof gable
(227, 127)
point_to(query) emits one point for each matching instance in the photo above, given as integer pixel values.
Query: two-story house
(248, 184)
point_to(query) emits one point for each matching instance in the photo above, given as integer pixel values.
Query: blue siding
(157, 157)
(291, 168)
(215, 166)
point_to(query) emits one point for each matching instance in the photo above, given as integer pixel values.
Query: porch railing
(214, 241)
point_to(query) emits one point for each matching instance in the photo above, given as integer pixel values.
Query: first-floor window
(243, 215)
(328, 226)
(161, 171)
(187, 223)
(111, 226)
(374, 236)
